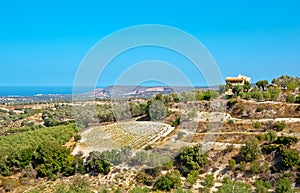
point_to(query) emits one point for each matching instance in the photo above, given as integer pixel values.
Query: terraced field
(135, 134)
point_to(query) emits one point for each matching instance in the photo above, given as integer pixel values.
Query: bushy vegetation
(234, 187)
(264, 92)
(290, 158)
(283, 186)
(286, 141)
(169, 181)
(95, 164)
(78, 184)
(192, 177)
(209, 181)
(231, 164)
(50, 159)
(262, 186)
(191, 158)
(22, 149)
(251, 151)
(291, 83)
(259, 109)
(279, 126)
(270, 136)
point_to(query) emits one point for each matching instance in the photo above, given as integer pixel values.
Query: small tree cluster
(169, 181)
(251, 151)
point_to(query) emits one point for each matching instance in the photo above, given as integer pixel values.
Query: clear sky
(43, 42)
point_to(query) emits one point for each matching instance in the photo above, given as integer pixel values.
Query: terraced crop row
(133, 134)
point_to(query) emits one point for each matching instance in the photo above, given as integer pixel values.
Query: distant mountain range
(139, 91)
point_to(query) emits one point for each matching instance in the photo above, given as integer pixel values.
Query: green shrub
(234, 187)
(243, 166)
(80, 184)
(257, 95)
(266, 95)
(169, 181)
(259, 109)
(255, 167)
(192, 157)
(260, 137)
(231, 164)
(167, 165)
(176, 122)
(290, 98)
(287, 141)
(290, 158)
(274, 93)
(279, 126)
(270, 136)
(51, 159)
(208, 181)
(192, 177)
(283, 186)
(261, 186)
(251, 150)
(148, 147)
(77, 137)
(267, 149)
(230, 122)
(96, 164)
(257, 125)
(229, 148)
(247, 96)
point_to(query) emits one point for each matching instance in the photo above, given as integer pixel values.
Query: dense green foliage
(290, 158)
(279, 126)
(50, 159)
(231, 164)
(192, 158)
(169, 181)
(237, 89)
(192, 177)
(23, 149)
(95, 164)
(283, 186)
(251, 150)
(255, 167)
(208, 181)
(287, 81)
(261, 186)
(286, 141)
(270, 136)
(290, 98)
(262, 84)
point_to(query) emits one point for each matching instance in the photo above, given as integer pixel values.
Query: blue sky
(43, 42)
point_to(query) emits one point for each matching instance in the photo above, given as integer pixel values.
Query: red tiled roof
(234, 79)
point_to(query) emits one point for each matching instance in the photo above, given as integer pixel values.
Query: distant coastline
(34, 90)
(28, 91)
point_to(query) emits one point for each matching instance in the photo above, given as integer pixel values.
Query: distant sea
(31, 91)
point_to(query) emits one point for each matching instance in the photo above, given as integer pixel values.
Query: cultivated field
(135, 134)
